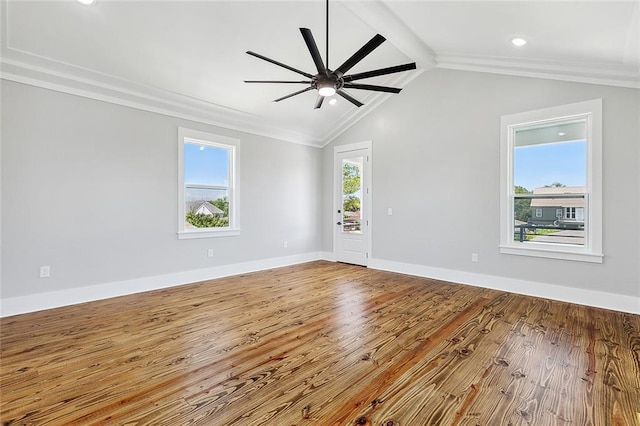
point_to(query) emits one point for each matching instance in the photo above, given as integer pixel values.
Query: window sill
(208, 233)
(579, 256)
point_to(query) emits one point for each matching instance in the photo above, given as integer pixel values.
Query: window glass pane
(206, 165)
(206, 208)
(540, 160)
(352, 194)
(206, 191)
(550, 160)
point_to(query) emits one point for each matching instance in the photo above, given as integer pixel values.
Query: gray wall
(436, 162)
(90, 188)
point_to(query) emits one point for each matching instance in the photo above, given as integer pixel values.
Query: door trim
(367, 218)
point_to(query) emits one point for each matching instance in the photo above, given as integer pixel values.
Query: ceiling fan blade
(319, 101)
(381, 71)
(293, 94)
(280, 64)
(277, 81)
(349, 98)
(371, 45)
(313, 49)
(372, 87)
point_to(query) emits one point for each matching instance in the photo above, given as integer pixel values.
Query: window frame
(186, 135)
(591, 112)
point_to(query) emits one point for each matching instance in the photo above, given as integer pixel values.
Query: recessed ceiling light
(87, 2)
(518, 41)
(333, 101)
(561, 134)
(202, 148)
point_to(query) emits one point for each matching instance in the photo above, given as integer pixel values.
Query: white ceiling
(188, 59)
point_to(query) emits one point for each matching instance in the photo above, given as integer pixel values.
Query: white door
(352, 204)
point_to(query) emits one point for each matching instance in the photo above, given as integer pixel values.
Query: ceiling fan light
(327, 91)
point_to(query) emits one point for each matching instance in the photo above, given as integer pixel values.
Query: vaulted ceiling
(188, 59)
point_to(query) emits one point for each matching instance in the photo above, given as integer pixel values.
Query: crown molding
(27, 68)
(377, 15)
(618, 76)
(121, 92)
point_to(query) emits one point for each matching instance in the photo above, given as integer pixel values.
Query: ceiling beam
(379, 17)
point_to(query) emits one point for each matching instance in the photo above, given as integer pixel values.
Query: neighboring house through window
(550, 210)
(208, 193)
(551, 182)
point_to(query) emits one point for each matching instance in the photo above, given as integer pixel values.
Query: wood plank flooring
(321, 344)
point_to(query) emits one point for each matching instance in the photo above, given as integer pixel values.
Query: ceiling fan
(329, 82)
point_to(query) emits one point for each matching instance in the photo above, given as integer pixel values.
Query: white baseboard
(616, 302)
(72, 296)
(327, 255)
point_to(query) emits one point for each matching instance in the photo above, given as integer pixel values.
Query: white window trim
(234, 193)
(592, 250)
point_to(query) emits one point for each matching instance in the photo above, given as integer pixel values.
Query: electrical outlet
(45, 271)
(210, 253)
(285, 244)
(474, 257)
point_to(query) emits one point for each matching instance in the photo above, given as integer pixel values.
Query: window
(551, 182)
(208, 194)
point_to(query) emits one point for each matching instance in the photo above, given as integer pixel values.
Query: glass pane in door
(352, 194)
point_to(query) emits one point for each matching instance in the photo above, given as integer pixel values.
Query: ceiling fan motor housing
(330, 79)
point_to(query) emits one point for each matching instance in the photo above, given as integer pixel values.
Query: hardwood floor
(321, 344)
